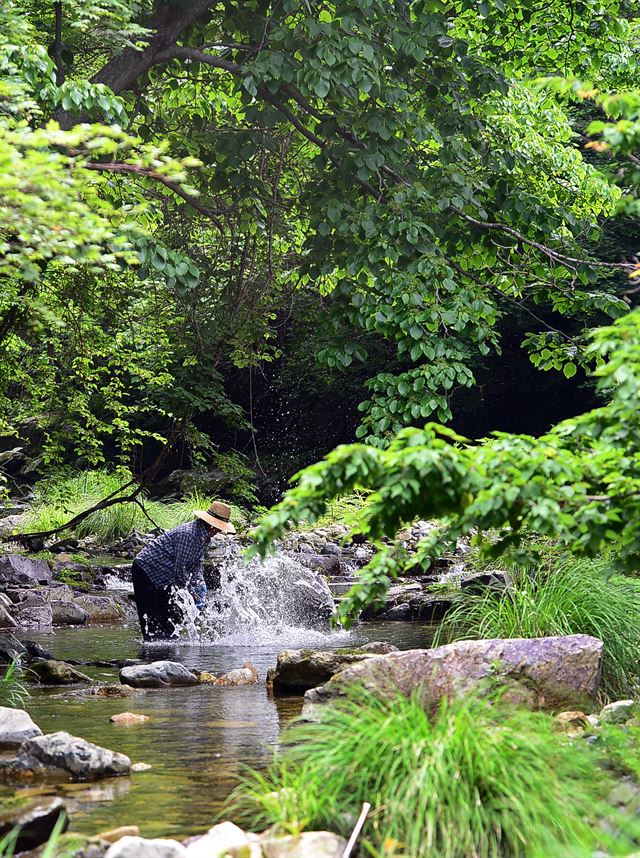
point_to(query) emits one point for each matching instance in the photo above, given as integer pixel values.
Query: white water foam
(275, 601)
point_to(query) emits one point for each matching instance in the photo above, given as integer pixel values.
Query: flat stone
(68, 614)
(61, 754)
(34, 822)
(619, 712)
(112, 690)
(138, 847)
(378, 648)
(16, 726)
(478, 582)
(554, 673)
(158, 674)
(141, 767)
(128, 718)
(309, 844)
(52, 672)
(115, 834)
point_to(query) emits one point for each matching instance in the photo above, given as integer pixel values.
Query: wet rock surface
(63, 756)
(158, 674)
(297, 671)
(551, 673)
(34, 821)
(54, 672)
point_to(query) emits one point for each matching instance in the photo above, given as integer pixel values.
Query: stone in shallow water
(52, 672)
(16, 727)
(35, 822)
(65, 613)
(158, 674)
(115, 834)
(63, 755)
(551, 673)
(138, 847)
(128, 718)
(10, 648)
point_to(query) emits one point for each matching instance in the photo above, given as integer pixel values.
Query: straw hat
(218, 515)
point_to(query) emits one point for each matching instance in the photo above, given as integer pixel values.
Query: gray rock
(34, 822)
(6, 620)
(15, 569)
(63, 755)
(35, 651)
(15, 727)
(478, 582)
(554, 673)
(100, 609)
(378, 647)
(309, 844)
(619, 712)
(10, 648)
(35, 618)
(331, 548)
(68, 614)
(222, 840)
(138, 847)
(158, 674)
(297, 670)
(323, 563)
(398, 612)
(52, 672)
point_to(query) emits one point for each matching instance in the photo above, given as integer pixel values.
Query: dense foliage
(473, 778)
(390, 172)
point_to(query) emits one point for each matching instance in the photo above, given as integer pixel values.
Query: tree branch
(554, 255)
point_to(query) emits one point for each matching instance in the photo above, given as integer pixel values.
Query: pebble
(141, 767)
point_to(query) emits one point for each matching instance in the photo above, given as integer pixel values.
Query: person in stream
(173, 562)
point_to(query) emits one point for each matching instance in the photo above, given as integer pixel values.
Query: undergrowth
(346, 510)
(573, 597)
(476, 778)
(59, 499)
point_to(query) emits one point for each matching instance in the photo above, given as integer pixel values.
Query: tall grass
(346, 509)
(575, 597)
(59, 499)
(13, 692)
(475, 779)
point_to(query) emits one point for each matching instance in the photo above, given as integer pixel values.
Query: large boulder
(52, 672)
(61, 755)
(33, 821)
(15, 569)
(158, 674)
(100, 609)
(554, 673)
(139, 847)
(16, 727)
(298, 670)
(37, 617)
(65, 613)
(6, 620)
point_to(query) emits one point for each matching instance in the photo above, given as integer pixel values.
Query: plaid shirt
(175, 557)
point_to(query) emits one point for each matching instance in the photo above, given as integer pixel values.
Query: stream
(197, 739)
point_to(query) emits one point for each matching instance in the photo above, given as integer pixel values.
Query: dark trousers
(158, 613)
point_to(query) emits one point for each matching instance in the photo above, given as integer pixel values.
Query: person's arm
(197, 587)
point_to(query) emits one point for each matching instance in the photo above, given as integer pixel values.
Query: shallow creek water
(197, 739)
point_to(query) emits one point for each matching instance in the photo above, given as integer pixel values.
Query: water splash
(277, 600)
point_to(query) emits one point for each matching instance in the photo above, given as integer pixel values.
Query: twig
(366, 807)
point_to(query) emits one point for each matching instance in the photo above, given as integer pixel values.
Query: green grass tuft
(575, 597)
(475, 779)
(13, 692)
(59, 499)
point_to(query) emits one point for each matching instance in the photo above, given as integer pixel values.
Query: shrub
(575, 597)
(475, 779)
(59, 499)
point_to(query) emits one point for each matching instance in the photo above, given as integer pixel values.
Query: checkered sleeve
(186, 556)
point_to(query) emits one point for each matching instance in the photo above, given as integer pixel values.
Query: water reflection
(197, 738)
